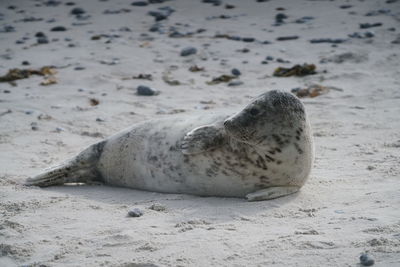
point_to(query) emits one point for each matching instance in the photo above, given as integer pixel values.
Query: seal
(263, 152)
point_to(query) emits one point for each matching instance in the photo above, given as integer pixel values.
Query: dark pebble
(79, 68)
(229, 6)
(6, 91)
(25, 63)
(235, 38)
(248, 39)
(40, 34)
(304, 19)
(8, 28)
(370, 25)
(392, 29)
(69, 3)
(269, 58)
(366, 260)
(58, 29)
(214, 2)
(139, 3)
(78, 11)
(20, 42)
(42, 40)
(236, 72)
(280, 17)
(145, 90)
(135, 212)
(187, 51)
(287, 38)
(345, 6)
(280, 60)
(52, 3)
(327, 40)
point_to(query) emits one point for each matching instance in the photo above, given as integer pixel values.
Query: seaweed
(296, 70)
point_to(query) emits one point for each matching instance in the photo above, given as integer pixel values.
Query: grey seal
(263, 152)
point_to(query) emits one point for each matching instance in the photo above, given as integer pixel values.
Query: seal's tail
(80, 169)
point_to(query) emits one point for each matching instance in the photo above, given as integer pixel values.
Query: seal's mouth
(238, 133)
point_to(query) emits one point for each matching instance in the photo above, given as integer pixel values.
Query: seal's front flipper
(202, 139)
(272, 192)
(79, 169)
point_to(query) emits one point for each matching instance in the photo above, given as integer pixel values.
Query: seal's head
(272, 114)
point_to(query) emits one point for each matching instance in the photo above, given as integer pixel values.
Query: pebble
(40, 34)
(304, 19)
(58, 29)
(287, 38)
(34, 126)
(42, 40)
(370, 25)
(214, 2)
(7, 28)
(235, 83)
(78, 11)
(135, 212)
(236, 72)
(157, 207)
(248, 39)
(328, 40)
(69, 3)
(187, 51)
(79, 68)
(145, 90)
(280, 17)
(139, 3)
(25, 63)
(361, 35)
(162, 13)
(269, 58)
(366, 259)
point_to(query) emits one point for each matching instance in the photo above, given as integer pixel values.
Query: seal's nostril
(226, 123)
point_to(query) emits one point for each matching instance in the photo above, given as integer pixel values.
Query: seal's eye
(254, 111)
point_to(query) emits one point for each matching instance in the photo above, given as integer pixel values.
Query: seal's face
(272, 113)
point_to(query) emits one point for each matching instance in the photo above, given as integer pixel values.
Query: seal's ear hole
(254, 111)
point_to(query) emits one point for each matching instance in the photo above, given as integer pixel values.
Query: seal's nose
(227, 123)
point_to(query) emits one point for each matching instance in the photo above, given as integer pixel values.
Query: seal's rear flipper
(272, 192)
(80, 169)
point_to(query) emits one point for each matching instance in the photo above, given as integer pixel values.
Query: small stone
(366, 259)
(370, 25)
(236, 72)
(269, 58)
(157, 207)
(40, 34)
(139, 3)
(69, 3)
(135, 212)
(187, 51)
(58, 29)
(99, 119)
(34, 126)
(248, 39)
(79, 68)
(78, 11)
(25, 63)
(280, 17)
(145, 90)
(42, 40)
(235, 83)
(287, 38)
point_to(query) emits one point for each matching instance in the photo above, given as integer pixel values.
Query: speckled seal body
(267, 145)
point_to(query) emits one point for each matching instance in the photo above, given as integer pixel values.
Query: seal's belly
(148, 157)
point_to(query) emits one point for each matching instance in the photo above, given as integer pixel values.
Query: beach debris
(49, 81)
(296, 70)
(396, 41)
(157, 207)
(248, 39)
(366, 259)
(7, 28)
(328, 40)
(94, 101)
(17, 74)
(370, 25)
(25, 63)
(187, 51)
(221, 79)
(135, 212)
(92, 134)
(346, 57)
(145, 91)
(287, 38)
(236, 72)
(313, 90)
(170, 81)
(143, 76)
(196, 68)
(34, 126)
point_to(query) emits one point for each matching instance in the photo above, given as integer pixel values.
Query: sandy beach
(96, 54)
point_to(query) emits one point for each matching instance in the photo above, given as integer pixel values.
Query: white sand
(349, 205)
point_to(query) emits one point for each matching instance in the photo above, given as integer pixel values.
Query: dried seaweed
(221, 79)
(313, 90)
(18, 74)
(296, 70)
